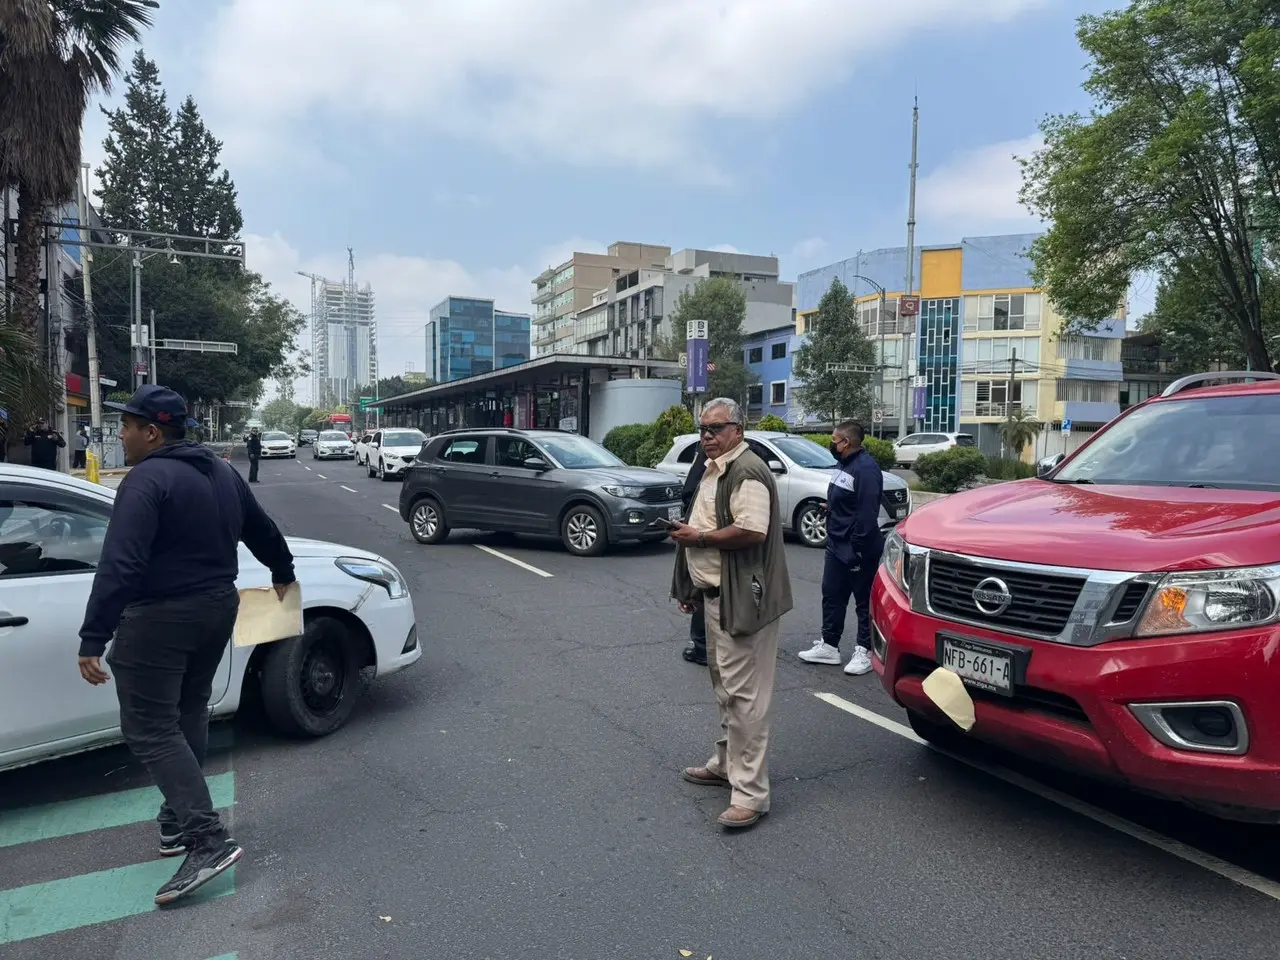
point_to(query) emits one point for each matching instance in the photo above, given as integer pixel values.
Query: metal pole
(152, 371)
(57, 346)
(884, 305)
(911, 270)
(138, 355)
(91, 323)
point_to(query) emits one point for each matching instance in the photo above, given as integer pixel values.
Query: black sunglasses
(715, 429)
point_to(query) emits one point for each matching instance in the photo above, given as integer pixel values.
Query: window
(464, 450)
(778, 351)
(1088, 348)
(778, 392)
(991, 398)
(45, 537)
(514, 451)
(1002, 311)
(689, 453)
(755, 395)
(1089, 391)
(755, 354)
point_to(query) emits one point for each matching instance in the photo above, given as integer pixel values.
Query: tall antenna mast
(911, 273)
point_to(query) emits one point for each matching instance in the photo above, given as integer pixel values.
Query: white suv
(391, 452)
(906, 450)
(802, 470)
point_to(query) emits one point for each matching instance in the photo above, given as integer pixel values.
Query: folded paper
(265, 618)
(945, 688)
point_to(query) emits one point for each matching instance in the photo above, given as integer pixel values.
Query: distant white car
(906, 450)
(333, 445)
(802, 471)
(361, 443)
(277, 443)
(358, 615)
(391, 452)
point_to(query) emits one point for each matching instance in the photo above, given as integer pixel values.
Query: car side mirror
(536, 463)
(1045, 466)
(776, 466)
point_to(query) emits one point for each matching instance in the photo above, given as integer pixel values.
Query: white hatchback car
(358, 615)
(802, 470)
(277, 443)
(391, 452)
(909, 448)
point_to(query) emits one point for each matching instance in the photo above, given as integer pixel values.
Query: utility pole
(1013, 379)
(154, 375)
(139, 358)
(907, 395)
(91, 322)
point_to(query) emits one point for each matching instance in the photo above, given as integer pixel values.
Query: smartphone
(669, 524)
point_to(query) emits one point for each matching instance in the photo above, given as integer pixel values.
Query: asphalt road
(516, 795)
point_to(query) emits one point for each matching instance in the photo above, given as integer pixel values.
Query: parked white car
(358, 615)
(393, 451)
(906, 450)
(802, 470)
(333, 445)
(362, 443)
(277, 443)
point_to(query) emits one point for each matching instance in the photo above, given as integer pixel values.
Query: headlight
(895, 560)
(630, 493)
(375, 571)
(1212, 600)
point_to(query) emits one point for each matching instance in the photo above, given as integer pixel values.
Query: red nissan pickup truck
(1118, 615)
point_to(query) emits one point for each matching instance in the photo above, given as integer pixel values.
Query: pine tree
(206, 203)
(837, 337)
(137, 175)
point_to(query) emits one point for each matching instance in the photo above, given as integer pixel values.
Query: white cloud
(978, 190)
(585, 81)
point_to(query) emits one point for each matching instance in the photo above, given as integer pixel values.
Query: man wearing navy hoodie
(165, 591)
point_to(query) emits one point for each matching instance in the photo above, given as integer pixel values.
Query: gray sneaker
(205, 860)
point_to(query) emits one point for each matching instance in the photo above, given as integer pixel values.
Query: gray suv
(542, 482)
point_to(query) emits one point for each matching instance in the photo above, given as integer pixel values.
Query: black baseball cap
(157, 404)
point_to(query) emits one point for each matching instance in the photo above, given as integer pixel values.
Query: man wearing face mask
(854, 544)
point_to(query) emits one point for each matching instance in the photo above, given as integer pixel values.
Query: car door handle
(495, 474)
(14, 621)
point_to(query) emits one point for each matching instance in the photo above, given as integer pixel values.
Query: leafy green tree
(53, 57)
(838, 338)
(279, 414)
(205, 203)
(722, 303)
(671, 423)
(27, 390)
(1176, 169)
(137, 180)
(625, 441)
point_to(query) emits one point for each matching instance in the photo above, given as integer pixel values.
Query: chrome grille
(1038, 603)
(896, 497)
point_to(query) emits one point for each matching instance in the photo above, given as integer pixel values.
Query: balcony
(543, 294)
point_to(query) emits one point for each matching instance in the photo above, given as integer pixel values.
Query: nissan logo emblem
(671, 491)
(992, 596)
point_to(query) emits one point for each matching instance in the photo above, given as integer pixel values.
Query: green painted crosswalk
(86, 814)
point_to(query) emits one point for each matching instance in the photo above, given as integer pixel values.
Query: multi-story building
(767, 354)
(467, 336)
(344, 342)
(986, 342)
(634, 309)
(561, 292)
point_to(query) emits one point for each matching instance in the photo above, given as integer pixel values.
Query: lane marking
(395, 510)
(1206, 861)
(348, 489)
(86, 814)
(40, 909)
(502, 556)
(322, 476)
(305, 467)
(227, 956)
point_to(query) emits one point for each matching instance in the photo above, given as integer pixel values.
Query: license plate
(979, 665)
(673, 513)
(899, 512)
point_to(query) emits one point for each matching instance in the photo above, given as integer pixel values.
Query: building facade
(986, 342)
(344, 342)
(767, 355)
(467, 336)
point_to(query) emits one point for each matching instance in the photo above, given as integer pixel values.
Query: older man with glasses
(732, 560)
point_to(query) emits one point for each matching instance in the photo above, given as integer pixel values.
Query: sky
(462, 148)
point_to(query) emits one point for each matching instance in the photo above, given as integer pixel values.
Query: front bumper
(347, 454)
(1073, 707)
(397, 467)
(277, 454)
(635, 520)
(392, 624)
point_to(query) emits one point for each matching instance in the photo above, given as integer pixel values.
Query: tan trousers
(742, 671)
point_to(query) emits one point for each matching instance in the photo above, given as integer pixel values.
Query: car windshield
(334, 436)
(579, 453)
(275, 435)
(804, 452)
(403, 438)
(1206, 442)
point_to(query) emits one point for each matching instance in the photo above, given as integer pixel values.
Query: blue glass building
(466, 336)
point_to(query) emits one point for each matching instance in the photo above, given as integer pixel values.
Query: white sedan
(333, 445)
(359, 624)
(392, 452)
(277, 443)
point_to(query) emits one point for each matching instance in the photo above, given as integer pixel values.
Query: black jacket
(853, 508)
(179, 517)
(255, 445)
(696, 470)
(44, 447)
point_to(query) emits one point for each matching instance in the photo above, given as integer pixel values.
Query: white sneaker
(821, 652)
(859, 663)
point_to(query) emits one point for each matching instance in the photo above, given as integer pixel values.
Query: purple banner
(697, 372)
(919, 396)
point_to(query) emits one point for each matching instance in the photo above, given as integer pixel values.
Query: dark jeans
(253, 469)
(840, 581)
(77, 460)
(163, 659)
(698, 629)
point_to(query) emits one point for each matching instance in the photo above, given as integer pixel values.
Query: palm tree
(1020, 429)
(54, 55)
(26, 386)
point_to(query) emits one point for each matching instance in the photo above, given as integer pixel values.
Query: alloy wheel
(425, 520)
(582, 531)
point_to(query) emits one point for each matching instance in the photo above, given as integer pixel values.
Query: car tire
(310, 683)
(382, 471)
(809, 521)
(426, 521)
(943, 735)
(582, 531)
(369, 469)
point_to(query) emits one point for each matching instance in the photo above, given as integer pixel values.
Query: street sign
(908, 306)
(107, 382)
(919, 382)
(364, 403)
(877, 415)
(711, 368)
(140, 367)
(919, 402)
(684, 360)
(698, 348)
(696, 330)
(1066, 427)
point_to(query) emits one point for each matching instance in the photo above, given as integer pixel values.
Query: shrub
(950, 470)
(1004, 468)
(882, 450)
(773, 423)
(624, 442)
(670, 424)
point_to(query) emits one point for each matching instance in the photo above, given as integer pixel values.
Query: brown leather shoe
(735, 818)
(704, 777)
